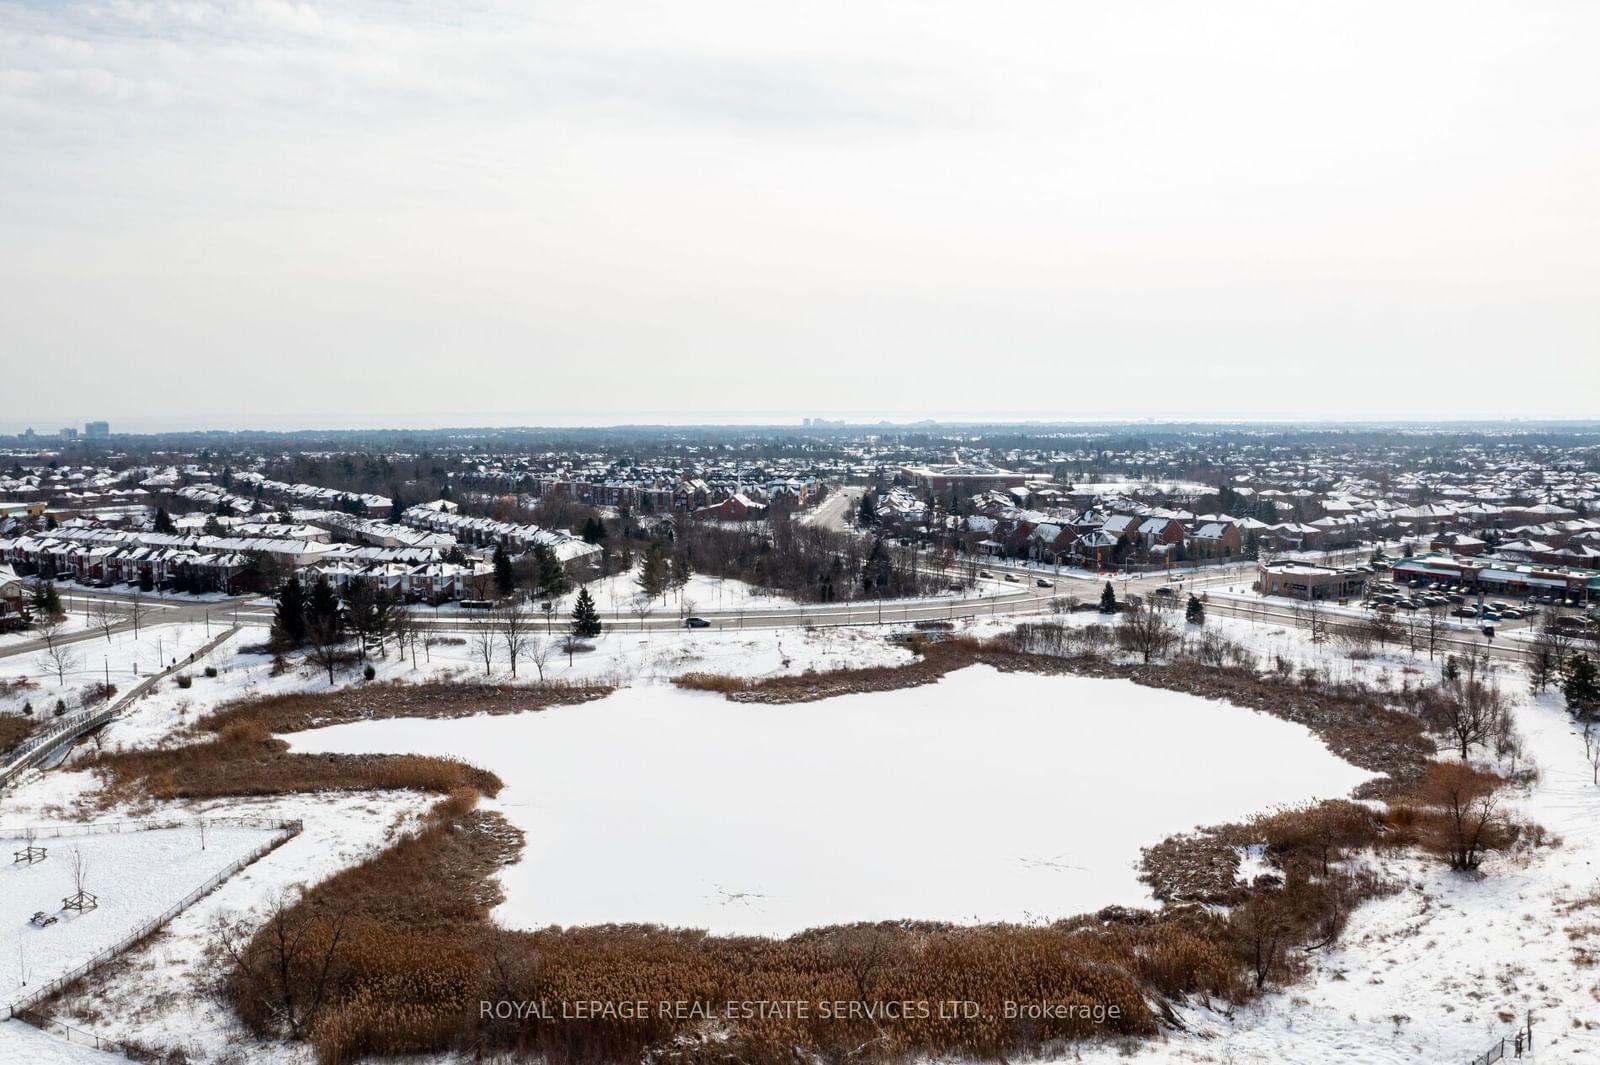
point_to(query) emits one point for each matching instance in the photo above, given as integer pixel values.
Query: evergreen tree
(653, 574)
(681, 571)
(1108, 600)
(505, 581)
(44, 600)
(585, 618)
(147, 581)
(1195, 612)
(397, 509)
(552, 575)
(867, 517)
(1582, 686)
(1452, 668)
(289, 619)
(322, 609)
(163, 522)
(1252, 548)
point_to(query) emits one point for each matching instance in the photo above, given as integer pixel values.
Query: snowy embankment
(985, 797)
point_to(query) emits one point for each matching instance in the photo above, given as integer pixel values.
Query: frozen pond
(988, 796)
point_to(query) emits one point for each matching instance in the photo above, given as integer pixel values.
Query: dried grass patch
(298, 711)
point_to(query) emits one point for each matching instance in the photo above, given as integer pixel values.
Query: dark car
(696, 623)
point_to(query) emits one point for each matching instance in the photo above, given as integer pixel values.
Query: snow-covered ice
(988, 796)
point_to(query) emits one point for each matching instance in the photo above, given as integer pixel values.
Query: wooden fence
(286, 830)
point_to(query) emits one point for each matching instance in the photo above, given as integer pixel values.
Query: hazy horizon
(511, 421)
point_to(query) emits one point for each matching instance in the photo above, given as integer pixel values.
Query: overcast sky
(233, 214)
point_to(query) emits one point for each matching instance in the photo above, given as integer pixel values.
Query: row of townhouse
(1099, 535)
(164, 561)
(688, 494)
(487, 532)
(225, 563)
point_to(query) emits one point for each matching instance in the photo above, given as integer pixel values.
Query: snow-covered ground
(618, 593)
(984, 797)
(1423, 976)
(123, 658)
(136, 876)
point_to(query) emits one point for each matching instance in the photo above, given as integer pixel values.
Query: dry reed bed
(14, 728)
(244, 760)
(298, 711)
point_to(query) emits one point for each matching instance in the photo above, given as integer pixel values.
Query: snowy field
(618, 593)
(985, 797)
(137, 875)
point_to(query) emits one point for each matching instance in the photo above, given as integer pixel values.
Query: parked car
(696, 623)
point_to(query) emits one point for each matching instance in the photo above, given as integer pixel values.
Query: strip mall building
(1503, 578)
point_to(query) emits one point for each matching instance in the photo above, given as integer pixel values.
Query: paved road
(1021, 597)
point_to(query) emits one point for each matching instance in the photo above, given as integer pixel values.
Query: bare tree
(136, 612)
(641, 607)
(80, 870)
(1316, 619)
(1434, 629)
(58, 657)
(104, 617)
(403, 627)
(1382, 627)
(1146, 630)
(514, 626)
(285, 971)
(539, 654)
(485, 638)
(1469, 711)
(1472, 823)
(322, 637)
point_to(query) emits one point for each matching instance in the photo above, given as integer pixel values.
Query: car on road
(1165, 591)
(1042, 583)
(1011, 577)
(696, 623)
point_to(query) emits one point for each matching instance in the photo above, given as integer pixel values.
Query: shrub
(184, 681)
(211, 671)
(368, 671)
(61, 708)
(711, 682)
